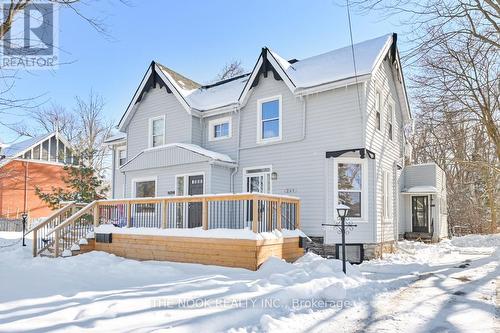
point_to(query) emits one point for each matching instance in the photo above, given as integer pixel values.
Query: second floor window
(157, 131)
(377, 110)
(220, 129)
(122, 156)
(390, 121)
(269, 119)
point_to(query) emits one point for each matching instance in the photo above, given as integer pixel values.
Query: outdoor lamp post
(342, 211)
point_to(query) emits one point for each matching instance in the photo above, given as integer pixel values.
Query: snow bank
(199, 232)
(476, 241)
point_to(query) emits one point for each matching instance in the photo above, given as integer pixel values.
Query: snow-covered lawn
(448, 287)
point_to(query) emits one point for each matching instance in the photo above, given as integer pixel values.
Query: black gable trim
(363, 152)
(394, 47)
(153, 79)
(265, 68)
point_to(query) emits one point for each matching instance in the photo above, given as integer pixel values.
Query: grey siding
(163, 157)
(117, 189)
(420, 175)
(333, 123)
(220, 179)
(157, 102)
(197, 131)
(226, 146)
(166, 177)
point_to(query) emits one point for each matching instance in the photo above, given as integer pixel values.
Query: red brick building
(36, 162)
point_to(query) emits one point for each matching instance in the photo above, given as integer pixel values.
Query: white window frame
(186, 179)
(364, 186)
(134, 181)
(219, 121)
(261, 101)
(387, 196)
(265, 174)
(391, 117)
(150, 132)
(118, 150)
(378, 109)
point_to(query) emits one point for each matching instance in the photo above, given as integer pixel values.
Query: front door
(420, 214)
(195, 187)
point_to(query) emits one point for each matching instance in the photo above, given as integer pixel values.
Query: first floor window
(157, 131)
(387, 194)
(350, 187)
(145, 189)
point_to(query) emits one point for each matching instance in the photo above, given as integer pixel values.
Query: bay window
(350, 185)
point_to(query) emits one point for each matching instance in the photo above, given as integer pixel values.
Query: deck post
(56, 245)
(278, 213)
(255, 213)
(129, 214)
(34, 243)
(204, 220)
(164, 217)
(297, 215)
(96, 215)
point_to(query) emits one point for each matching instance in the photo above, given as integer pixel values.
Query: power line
(353, 57)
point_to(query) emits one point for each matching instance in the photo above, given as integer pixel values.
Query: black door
(195, 208)
(420, 214)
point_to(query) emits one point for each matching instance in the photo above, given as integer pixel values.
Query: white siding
(388, 152)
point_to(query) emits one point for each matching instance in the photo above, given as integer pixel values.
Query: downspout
(235, 171)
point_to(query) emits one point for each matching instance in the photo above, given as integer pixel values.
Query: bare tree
(453, 63)
(230, 70)
(46, 119)
(93, 129)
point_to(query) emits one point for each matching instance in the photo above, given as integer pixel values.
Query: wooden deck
(256, 212)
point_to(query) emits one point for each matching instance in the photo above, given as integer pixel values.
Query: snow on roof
(335, 65)
(196, 149)
(309, 72)
(17, 148)
(420, 189)
(116, 137)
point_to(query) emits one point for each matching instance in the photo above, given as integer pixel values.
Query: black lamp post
(25, 218)
(342, 211)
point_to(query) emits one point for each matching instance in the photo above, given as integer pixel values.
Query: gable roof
(299, 75)
(18, 148)
(193, 149)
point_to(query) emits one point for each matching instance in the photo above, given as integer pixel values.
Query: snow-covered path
(449, 287)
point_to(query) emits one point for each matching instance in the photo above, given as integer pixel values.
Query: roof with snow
(299, 75)
(419, 189)
(174, 154)
(117, 137)
(18, 148)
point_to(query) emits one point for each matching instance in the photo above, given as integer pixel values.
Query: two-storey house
(322, 128)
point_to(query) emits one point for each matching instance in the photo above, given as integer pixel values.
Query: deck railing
(255, 211)
(41, 232)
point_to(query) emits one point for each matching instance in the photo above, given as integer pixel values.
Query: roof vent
(293, 61)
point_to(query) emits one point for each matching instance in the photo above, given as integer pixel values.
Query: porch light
(274, 175)
(342, 210)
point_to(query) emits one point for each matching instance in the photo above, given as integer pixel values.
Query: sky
(194, 38)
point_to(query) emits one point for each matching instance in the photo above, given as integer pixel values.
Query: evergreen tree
(84, 184)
